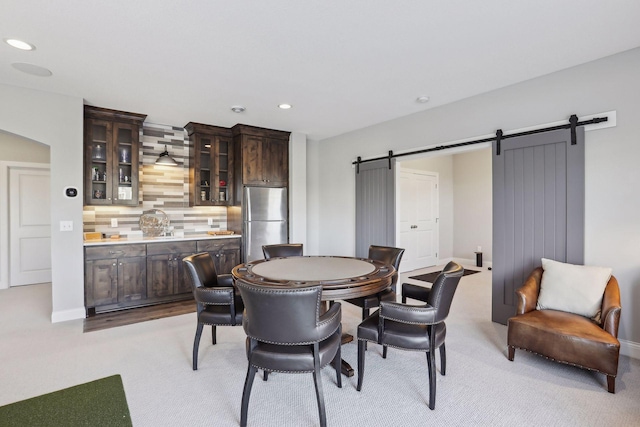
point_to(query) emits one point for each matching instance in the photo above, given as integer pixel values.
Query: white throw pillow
(573, 288)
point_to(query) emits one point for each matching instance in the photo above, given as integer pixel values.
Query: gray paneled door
(375, 206)
(538, 210)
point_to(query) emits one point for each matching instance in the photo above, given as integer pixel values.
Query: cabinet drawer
(218, 245)
(171, 247)
(114, 251)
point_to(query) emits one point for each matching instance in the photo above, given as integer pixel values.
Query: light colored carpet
(481, 388)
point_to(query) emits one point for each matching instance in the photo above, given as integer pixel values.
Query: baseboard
(630, 348)
(64, 315)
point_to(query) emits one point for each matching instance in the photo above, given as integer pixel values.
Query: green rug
(96, 403)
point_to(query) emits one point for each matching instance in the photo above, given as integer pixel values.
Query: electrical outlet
(210, 221)
(114, 222)
(66, 225)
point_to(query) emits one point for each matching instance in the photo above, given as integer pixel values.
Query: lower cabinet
(131, 275)
(225, 253)
(115, 276)
(165, 273)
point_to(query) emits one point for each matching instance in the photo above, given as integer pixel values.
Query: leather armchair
(286, 333)
(566, 337)
(411, 327)
(282, 250)
(216, 301)
(388, 255)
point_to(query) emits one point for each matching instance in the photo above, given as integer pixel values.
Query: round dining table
(341, 278)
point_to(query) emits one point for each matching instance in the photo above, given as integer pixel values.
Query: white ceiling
(343, 65)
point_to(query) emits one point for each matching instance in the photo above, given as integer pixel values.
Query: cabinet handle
(109, 198)
(112, 252)
(120, 264)
(114, 264)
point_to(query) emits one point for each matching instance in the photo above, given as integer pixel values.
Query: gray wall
(15, 148)
(472, 216)
(612, 225)
(57, 121)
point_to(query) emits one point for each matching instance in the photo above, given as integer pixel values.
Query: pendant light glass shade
(165, 159)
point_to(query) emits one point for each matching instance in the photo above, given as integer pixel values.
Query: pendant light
(165, 159)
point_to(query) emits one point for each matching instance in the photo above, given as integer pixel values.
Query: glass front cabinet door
(111, 156)
(210, 165)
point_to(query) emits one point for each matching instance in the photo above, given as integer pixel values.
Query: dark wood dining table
(341, 278)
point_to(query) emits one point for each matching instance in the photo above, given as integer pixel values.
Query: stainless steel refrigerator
(264, 220)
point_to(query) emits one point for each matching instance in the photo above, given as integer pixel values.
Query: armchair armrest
(214, 296)
(412, 314)
(329, 322)
(611, 307)
(528, 294)
(225, 280)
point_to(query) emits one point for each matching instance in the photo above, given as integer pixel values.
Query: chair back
(388, 255)
(443, 289)
(201, 270)
(282, 250)
(280, 316)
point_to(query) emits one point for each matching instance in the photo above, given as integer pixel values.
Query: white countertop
(133, 240)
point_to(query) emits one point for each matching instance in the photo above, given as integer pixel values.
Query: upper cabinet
(111, 151)
(210, 165)
(262, 157)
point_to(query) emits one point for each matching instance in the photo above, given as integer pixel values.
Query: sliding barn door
(538, 210)
(375, 205)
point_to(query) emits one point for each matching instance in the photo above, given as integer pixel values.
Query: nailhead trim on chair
(566, 363)
(395, 346)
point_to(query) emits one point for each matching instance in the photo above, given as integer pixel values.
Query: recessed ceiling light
(19, 44)
(422, 99)
(34, 70)
(284, 106)
(238, 108)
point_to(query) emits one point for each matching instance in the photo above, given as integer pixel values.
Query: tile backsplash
(161, 187)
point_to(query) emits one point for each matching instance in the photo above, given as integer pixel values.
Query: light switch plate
(114, 222)
(66, 225)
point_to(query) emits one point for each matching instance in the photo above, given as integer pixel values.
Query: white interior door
(418, 219)
(29, 226)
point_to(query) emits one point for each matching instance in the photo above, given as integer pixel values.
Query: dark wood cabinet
(210, 165)
(111, 156)
(165, 271)
(115, 276)
(262, 158)
(225, 253)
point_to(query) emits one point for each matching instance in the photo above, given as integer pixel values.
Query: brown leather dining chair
(282, 250)
(387, 255)
(286, 333)
(216, 300)
(410, 327)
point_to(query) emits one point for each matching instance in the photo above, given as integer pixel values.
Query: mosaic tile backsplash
(161, 187)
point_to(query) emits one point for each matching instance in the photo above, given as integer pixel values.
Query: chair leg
(265, 375)
(365, 313)
(337, 364)
(404, 299)
(317, 380)
(443, 360)
(361, 351)
(248, 382)
(431, 361)
(611, 383)
(213, 334)
(512, 352)
(196, 344)
(384, 351)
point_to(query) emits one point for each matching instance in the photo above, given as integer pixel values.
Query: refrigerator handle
(248, 242)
